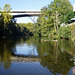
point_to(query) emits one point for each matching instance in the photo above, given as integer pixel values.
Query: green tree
(65, 32)
(54, 7)
(52, 17)
(69, 16)
(6, 17)
(65, 7)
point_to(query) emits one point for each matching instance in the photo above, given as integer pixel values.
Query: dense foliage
(10, 28)
(53, 16)
(65, 32)
(48, 23)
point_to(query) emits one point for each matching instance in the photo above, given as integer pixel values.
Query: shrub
(64, 32)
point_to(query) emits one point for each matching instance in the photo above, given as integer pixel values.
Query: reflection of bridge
(16, 14)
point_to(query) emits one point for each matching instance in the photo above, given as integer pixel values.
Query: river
(35, 56)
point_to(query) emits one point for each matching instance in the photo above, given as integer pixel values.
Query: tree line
(10, 28)
(55, 14)
(49, 23)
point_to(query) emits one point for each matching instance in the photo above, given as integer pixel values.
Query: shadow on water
(56, 56)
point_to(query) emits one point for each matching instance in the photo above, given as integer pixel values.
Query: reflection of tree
(52, 56)
(6, 57)
(6, 46)
(67, 46)
(0, 61)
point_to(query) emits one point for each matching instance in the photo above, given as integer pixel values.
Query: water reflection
(53, 55)
(73, 70)
(57, 58)
(6, 51)
(25, 49)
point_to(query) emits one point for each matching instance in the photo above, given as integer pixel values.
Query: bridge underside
(25, 15)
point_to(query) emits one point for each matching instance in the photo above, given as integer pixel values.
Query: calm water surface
(54, 57)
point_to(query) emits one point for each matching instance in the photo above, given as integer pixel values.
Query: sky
(27, 5)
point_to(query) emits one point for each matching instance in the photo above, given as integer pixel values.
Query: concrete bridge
(21, 13)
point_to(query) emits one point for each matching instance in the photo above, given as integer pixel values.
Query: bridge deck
(16, 14)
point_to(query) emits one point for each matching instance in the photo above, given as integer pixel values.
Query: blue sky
(27, 5)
